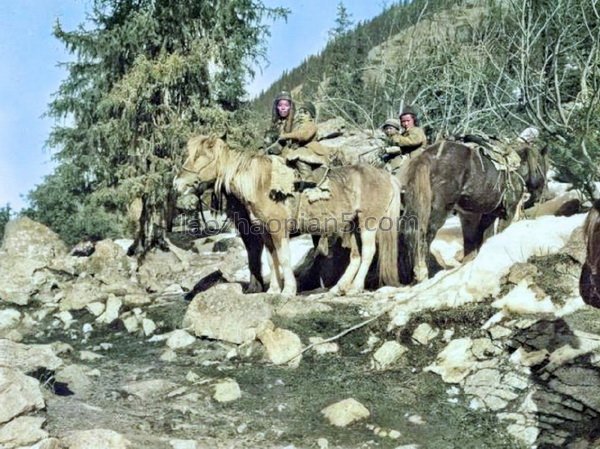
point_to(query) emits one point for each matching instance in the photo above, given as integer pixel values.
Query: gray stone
(95, 438)
(149, 389)
(227, 391)
(28, 358)
(224, 313)
(21, 431)
(18, 394)
(345, 412)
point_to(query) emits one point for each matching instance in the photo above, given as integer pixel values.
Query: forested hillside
(148, 74)
(491, 66)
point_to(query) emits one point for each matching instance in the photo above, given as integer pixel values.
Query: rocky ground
(100, 350)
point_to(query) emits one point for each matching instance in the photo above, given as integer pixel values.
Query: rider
(405, 145)
(282, 120)
(302, 151)
(390, 127)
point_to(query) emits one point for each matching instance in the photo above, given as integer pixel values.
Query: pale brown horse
(452, 176)
(364, 209)
(589, 281)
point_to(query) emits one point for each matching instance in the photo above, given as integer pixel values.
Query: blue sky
(30, 72)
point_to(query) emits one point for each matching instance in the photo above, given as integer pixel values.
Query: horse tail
(387, 237)
(418, 199)
(591, 228)
(589, 284)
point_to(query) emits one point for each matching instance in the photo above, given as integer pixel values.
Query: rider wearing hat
(301, 150)
(390, 127)
(282, 120)
(407, 144)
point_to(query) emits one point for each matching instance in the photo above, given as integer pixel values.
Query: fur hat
(309, 107)
(393, 122)
(283, 95)
(408, 110)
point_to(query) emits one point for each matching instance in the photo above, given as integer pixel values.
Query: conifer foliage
(146, 75)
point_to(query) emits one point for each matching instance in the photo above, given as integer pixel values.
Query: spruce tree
(148, 74)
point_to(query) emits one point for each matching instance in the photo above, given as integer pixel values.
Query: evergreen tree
(5, 216)
(147, 74)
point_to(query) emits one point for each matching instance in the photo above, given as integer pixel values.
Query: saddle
(499, 152)
(288, 182)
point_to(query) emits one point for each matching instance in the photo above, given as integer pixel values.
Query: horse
(364, 209)
(589, 281)
(452, 176)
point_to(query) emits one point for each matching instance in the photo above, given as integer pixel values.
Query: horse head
(201, 167)
(533, 169)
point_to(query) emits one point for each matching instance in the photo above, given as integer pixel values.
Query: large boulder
(28, 239)
(18, 394)
(28, 247)
(28, 357)
(224, 313)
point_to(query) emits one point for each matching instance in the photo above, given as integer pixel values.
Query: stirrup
(302, 185)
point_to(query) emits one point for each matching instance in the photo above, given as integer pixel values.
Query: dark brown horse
(452, 176)
(589, 281)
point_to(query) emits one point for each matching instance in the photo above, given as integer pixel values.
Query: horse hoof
(288, 293)
(337, 291)
(355, 291)
(273, 291)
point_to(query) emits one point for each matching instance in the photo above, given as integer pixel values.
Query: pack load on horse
(471, 179)
(589, 281)
(363, 209)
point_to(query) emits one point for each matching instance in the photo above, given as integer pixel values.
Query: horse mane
(242, 172)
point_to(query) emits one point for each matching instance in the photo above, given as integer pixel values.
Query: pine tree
(147, 74)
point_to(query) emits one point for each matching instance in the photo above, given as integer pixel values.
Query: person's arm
(304, 134)
(271, 135)
(414, 137)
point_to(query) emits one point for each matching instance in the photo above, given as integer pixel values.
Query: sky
(30, 72)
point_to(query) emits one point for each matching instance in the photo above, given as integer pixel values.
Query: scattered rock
(345, 412)
(80, 294)
(148, 326)
(455, 362)
(323, 348)
(227, 391)
(224, 313)
(18, 394)
(22, 431)
(95, 438)
(424, 333)
(387, 355)
(283, 346)
(76, 378)
(180, 339)
(149, 389)
(28, 358)
(111, 313)
(183, 444)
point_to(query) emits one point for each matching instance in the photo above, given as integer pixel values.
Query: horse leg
(273, 260)
(436, 221)
(485, 227)
(282, 249)
(472, 232)
(353, 265)
(367, 252)
(254, 247)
